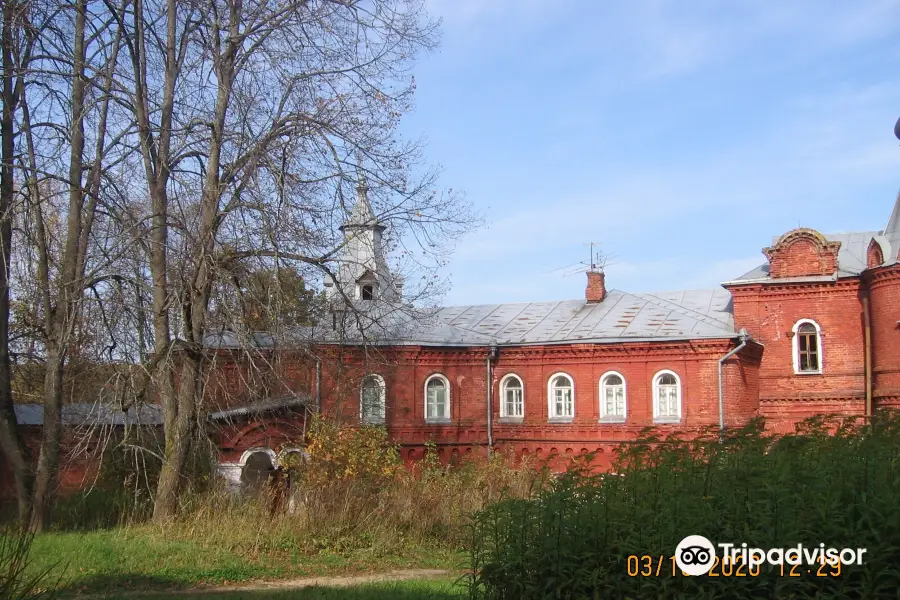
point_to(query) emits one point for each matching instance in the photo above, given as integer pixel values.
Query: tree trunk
(11, 442)
(59, 322)
(46, 479)
(178, 441)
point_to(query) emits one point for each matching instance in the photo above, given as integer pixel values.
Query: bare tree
(69, 110)
(170, 153)
(253, 119)
(16, 50)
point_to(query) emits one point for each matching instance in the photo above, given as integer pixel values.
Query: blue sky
(680, 135)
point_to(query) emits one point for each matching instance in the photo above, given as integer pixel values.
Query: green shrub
(833, 482)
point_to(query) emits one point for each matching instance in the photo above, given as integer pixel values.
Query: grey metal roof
(852, 254)
(256, 408)
(891, 234)
(91, 414)
(620, 317)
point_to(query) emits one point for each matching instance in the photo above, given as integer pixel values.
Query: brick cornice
(813, 397)
(880, 276)
(795, 289)
(699, 349)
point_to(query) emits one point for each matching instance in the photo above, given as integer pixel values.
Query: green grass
(440, 589)
(141, 558)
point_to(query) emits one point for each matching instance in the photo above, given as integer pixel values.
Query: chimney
(596, 287)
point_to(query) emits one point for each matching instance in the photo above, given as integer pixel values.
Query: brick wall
(884, 286)
(79, 459)
(406, 369)
(695, 362)
(769, 313)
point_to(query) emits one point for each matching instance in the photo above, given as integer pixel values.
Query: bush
(353, 492)
(833, 482)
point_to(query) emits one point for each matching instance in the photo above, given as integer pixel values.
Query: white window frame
(795, 347)
(383, 397)
(604, 416)
(503, 383)
(657, 418)
(446, 417)
(550, 399)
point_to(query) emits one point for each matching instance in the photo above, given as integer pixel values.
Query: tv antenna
(597, 261)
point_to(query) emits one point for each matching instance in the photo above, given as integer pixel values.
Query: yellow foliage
(337, 453)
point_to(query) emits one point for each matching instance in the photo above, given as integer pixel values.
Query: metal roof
(620, 317)
(891, 235)
(264, 406)
(91, 414)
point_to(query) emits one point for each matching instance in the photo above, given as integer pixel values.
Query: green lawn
(142, 559)
(404, 590)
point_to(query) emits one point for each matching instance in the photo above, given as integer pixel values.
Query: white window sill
(515, 420)
(667, 420)
(615, 419)
(372, 422)
(560, 419)
(437, 421)
(819, 372)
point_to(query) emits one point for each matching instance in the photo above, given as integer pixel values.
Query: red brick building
(813, 330)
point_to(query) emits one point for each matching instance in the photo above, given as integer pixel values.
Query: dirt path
(293, 584)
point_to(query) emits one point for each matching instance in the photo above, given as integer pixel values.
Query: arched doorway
(256, 466)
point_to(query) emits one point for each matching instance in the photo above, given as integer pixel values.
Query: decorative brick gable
(874, 254)
(802, 252)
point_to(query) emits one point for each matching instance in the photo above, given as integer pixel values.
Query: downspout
(318, 386)
(744, 337)
(867, 322)
(493, 353)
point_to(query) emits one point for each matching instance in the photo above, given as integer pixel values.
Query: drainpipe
(867, 322)
(318, 386)
(744, 337)
(493, 353)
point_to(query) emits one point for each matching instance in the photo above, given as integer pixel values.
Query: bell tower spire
(363, 274)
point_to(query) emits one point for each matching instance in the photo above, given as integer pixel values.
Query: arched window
(666, 397)
(807, 344)
(437, 398)
(612, 397)
(512, 397)
(372, 399)
(561, 397)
